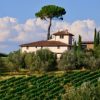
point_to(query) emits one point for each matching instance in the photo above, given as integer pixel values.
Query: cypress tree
(75, 47)
(99, 38)
(95, 37)
(75, 51)
(79, 43)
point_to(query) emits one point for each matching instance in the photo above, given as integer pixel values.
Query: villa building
(58, 43)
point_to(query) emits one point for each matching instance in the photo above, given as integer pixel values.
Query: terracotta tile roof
(45, 43)
(87, 42)
(63, 33)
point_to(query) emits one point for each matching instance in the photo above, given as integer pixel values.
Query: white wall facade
(66, 39)
(58, 50)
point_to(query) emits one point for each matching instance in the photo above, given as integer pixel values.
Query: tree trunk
(48, 35)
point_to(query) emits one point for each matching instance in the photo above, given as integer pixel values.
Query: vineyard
(46, 87)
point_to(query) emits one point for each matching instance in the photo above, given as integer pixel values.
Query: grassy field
(44, 87)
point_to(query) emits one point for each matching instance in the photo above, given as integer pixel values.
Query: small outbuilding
(88, 45)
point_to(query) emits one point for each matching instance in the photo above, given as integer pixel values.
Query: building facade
(88, 45)
(58, 43)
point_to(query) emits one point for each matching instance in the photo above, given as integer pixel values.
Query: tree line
(45, 60)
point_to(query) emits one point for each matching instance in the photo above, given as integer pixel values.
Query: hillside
(46, 87)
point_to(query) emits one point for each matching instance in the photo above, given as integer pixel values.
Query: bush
(85, 92)
(3, 68)
(72, 60)
(1, 62)
(79, 59)
(6, 65)
(29, 59)
(67, 61)
(16, 60)
(97, 52)
(9, 65)
(44, 60)
(91, 62)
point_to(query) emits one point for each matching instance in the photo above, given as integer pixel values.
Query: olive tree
(44, 60)
(67, 61)
(16, 59)
(29, 59)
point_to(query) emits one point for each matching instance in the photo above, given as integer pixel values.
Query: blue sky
(76, 9)
(21, 12)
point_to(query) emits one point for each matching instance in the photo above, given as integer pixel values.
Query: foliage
(98, 39)
(79, 43)
(6, 65)
(79, 59)
(69, 86)
(97, 52)
(95, 38)
(1, 62)
(85, 92)
(75, 47)
(80, 62)
(16, 59)
(72, 60)
(25, 88)
(2, 66)
(67, 61)
(50, 12)
(89, 60)
(44, 60)
(28, 59)
(92, 59)
(92, 63)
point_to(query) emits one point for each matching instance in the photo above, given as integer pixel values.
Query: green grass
(45, 87)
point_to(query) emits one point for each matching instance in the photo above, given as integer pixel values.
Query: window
(61, 36)
(58, 47)
(27, 47)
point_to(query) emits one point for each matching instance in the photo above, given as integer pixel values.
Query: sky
(19, 25)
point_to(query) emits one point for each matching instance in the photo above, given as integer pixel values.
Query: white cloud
(85, 28)
(35, 29)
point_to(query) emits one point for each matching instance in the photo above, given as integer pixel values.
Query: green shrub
(67, 61)
(97, 52)
(3, 68)
(44, 60)
(16, 60)
(29, 59)
(79, 59)
(85, 92)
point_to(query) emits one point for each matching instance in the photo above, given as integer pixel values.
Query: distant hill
(3, 55)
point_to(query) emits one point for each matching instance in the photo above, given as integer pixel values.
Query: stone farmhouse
(58, 43)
